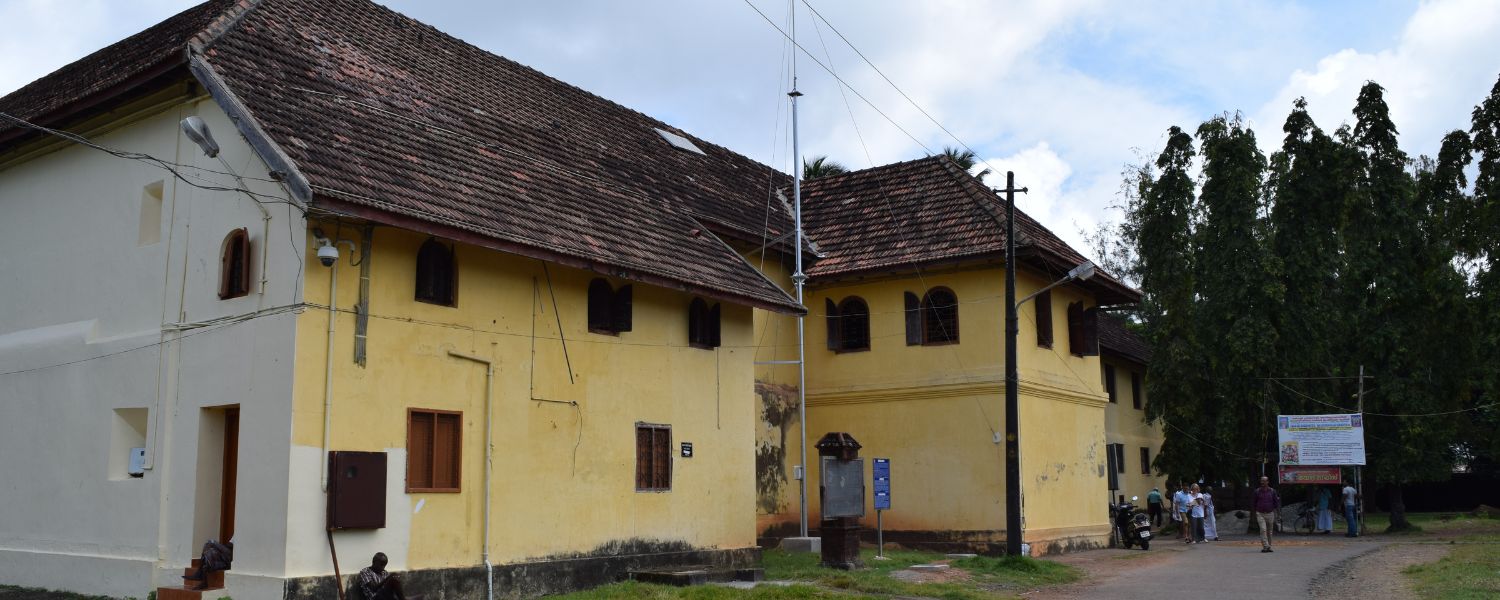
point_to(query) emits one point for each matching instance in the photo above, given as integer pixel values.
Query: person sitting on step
(215, 557)
(378, 584)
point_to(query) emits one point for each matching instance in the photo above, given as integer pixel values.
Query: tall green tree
(1159, 223)
(1310, 186)
(1480, 241)
(1238, 289)
(1401, 292)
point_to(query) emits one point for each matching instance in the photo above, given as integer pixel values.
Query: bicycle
(1307, 520)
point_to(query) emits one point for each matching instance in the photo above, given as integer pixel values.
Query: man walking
(1153, 506)
(1351, 499)
(1267, 504)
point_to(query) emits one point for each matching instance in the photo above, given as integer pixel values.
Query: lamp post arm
(1042, 291)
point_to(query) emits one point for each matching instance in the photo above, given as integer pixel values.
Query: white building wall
(84, 279)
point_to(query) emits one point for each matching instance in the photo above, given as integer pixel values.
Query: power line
(835, 76)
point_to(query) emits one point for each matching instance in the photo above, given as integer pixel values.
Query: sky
(1065, 93)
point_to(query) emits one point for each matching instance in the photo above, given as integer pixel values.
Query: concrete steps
(695, 575)
(185, 591)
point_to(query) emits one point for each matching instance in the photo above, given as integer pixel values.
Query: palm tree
(821, 167)
(965, 159)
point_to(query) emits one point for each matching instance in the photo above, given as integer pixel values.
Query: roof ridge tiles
(227, 20)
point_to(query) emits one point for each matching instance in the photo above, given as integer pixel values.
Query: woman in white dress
(1210, 524)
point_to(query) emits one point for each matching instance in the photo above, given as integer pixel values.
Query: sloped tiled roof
(388, 117)
(1117, 339)
(158, 47)
(922, 212)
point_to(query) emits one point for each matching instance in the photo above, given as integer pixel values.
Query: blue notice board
(882, 478)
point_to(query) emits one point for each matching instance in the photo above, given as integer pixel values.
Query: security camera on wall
(327, 253)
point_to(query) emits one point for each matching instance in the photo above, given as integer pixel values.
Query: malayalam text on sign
(1321, 439)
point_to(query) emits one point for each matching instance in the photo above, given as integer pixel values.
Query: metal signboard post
(882, 477)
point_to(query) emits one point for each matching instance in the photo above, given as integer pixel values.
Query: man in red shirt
(1267, 505)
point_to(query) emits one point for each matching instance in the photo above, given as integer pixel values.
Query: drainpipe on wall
(333, 302)
(489, 459)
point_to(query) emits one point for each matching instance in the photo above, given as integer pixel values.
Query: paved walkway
(1232, 568)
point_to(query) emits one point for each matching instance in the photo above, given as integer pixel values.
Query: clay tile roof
(390, 119)
(1117, 339)
(924, 212)
(149, 52)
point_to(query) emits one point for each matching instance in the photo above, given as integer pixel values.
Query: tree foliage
(822, 167)
(1269, 283)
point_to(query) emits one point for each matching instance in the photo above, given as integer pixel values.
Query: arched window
(609, 309)
(234, 265)
(703, 324)
(940, 316)
(848, 324)
(436, 282)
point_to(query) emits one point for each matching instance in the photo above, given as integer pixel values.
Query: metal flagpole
(799, 278)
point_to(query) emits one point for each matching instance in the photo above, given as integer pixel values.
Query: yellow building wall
(1125, 424)
(563, 473)
(936, 412)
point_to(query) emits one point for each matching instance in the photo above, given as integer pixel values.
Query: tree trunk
(1398, 509)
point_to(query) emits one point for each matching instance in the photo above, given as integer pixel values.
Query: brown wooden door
(230, 473)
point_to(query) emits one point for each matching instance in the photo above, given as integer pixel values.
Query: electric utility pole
(1012, 378)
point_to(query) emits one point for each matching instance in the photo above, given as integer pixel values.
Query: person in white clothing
(1210, 523)
(1195, 512)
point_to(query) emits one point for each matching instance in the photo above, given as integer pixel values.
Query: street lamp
(1012, 378)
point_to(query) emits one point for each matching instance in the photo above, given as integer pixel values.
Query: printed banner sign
(1309, 475)
(1321, 439)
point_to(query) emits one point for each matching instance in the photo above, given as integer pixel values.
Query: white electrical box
(797, 473)
(137, 467)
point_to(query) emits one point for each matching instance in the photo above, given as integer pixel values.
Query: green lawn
(988, 579)
(1470, 570)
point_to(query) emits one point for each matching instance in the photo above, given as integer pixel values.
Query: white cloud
(1444, 62)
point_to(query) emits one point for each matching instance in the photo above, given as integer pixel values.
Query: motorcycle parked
(1131, 526)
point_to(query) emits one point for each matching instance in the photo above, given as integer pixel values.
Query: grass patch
(1469, 571)
(990, 579)
(631, 590)
(1020, 570)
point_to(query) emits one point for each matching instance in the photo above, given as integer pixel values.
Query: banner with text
(1321, 439)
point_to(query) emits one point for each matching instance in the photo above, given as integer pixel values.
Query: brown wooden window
(609, 308)
(940, 316)
(1135, 390)
(434, 450)
(1083, 330)
(1120, 457)
(1043, 303)
(1109, 384)
(234, 265)
(653, 457)
(1145, 461)
(848, 325)
(703, 324)
(436, 274)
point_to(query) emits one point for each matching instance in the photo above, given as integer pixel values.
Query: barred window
(653, 457)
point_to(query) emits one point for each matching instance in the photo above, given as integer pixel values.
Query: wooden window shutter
(643, 457)
(835, 326)
(623, 318)
(1091, 332)
(1075, 328)
(713, 326)
(1109, 384)
(1120, 457)
(1043, 303)
(1135, 391)
(446, 447)
(696, 320)
(601, 297)
(436, 274)
(1145, 461)
(661, 462)
(234, 265)
(913, 319)
(1112, 467)
(419, 438)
